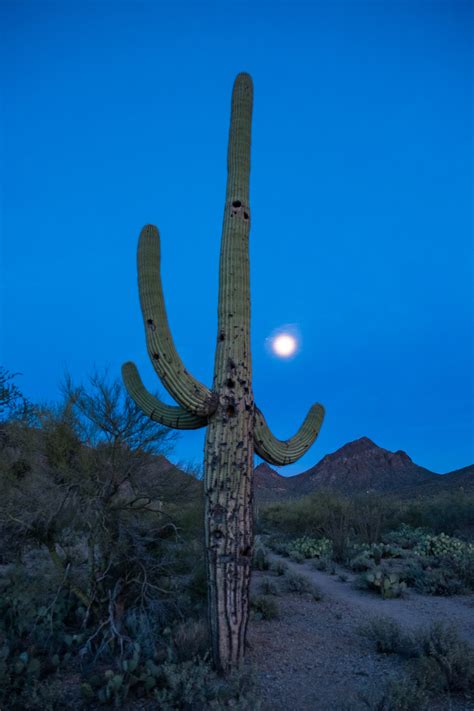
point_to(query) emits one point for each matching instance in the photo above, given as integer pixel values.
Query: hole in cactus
(246, 216)
(151, 325)
(156, 356)
(246, 551)
(236, 203)
(221, 336)
(230, 411)
(230, 383)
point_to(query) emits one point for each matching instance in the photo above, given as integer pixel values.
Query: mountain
(358, 467)
(362, 466)
(269, 486)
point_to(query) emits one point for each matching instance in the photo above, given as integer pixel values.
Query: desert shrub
(387, 584)
(105, 578)
(364, 557)
(402, 693)
(264, 607)
(321, 514)
(440, 662)
(445, 660)
(269, 587)
(297, 557)
(322, 564)
(371, 515)
(13, 404)
(196, 686)
(260, 559)
(188, 640)
(279, 567)
(442, 546)
(439, 581)
(361, 562)
(309, 547)
(389, 638)
(171, 685)
(369, 518)
(278, 544)
(301, 585)
(405, 536)
(451, 513)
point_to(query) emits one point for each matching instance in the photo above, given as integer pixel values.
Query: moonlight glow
(284, 345)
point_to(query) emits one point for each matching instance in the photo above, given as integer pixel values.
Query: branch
(181, 385)
(280, 452)
(178, 418)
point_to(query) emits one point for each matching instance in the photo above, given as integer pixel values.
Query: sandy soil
(314, 657)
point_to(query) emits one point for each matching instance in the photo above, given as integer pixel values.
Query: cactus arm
(279, 452)
(180, 384)
(176, 417)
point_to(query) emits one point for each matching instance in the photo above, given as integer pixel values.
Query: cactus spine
(235, 426)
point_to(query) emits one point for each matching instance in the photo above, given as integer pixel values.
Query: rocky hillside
(359, 467)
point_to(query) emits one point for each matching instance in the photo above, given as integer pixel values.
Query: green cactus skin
(235, 426)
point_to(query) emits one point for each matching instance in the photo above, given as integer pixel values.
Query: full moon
(284, 345)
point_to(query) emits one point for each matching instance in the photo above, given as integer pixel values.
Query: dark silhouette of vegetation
(102, 567)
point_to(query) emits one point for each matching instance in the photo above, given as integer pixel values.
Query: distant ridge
(357, 467)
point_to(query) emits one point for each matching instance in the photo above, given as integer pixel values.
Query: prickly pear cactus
(236, 427)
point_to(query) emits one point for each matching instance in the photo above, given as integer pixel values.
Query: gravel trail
(313, 658)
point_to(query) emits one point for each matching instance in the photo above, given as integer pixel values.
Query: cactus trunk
(235, 425)
(229, 443)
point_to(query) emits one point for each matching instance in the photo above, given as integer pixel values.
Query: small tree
(13, 404)
(96, 501)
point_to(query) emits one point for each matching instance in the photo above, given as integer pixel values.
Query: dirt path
(313, 658)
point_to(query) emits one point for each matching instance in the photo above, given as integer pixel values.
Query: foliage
(440, 661)
(442, 546)
(370, 518)
(311, 547)
(402, 693)
(103, 577)
(386, 583)
(444, 659)
(260, 560)
(301, 585)
(13, 404)
(279, 567)
(269, 587)
(389, 637)
(264, 607)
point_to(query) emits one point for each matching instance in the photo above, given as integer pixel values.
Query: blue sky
(116, 114)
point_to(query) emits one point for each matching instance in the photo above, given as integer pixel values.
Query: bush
(279, 567)
(307, 547)
(269, 587)
(260, 560)
(321, 564)
(386, 583)
(443, 546)
(264, 608)
(389, 638)
(444, 659)
(440, 661)
(301, 585)
(403, 693)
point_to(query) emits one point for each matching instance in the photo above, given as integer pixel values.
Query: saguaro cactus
(236, 427)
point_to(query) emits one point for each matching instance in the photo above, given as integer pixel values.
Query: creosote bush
(264, 607)
(300, 584)
(269, 587)
(440, 662)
